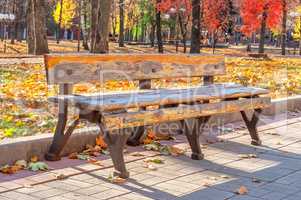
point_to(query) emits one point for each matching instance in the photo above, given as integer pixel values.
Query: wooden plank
(76, 68)
(109, 102)
(134, 119)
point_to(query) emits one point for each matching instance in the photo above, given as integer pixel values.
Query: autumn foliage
(252, 12)
(172, 6)
(215, 14)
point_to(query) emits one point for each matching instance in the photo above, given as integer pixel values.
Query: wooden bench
(114, 114)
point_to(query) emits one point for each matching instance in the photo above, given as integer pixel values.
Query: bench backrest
(78, 68)
(69, 69)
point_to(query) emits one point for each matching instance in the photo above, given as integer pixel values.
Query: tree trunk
(159, 34)
(152, 34)
(36, 27)
(183, 28)
(79, 25)
(300, 36)
(263, 29)
(284, 21)
(13, 26)
(58, 30)
(195, 30)
(121, 23)
(101, 10)
(85, 29)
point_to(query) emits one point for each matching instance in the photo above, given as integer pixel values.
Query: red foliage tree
(174, 6)
(252, 12)
(259, 15)
(215, 14)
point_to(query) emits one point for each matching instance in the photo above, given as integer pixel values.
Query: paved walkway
(273, 175)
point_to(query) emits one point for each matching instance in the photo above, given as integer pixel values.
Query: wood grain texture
(142, 118)
(76, 68)
(109, 102)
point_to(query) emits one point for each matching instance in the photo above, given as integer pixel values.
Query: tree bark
(152, 34)
(58, 30)
(284, 21)
(183, 28)
(263, 29)
(159, 34)
(85, 26)
(121, 23)
(195, 30)
(36, 27)
(101, 10)
(300, 36)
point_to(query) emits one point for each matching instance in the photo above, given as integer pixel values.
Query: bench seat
(134, 99)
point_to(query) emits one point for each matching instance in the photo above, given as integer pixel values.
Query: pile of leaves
(33, 165)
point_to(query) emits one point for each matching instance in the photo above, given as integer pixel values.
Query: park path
(17, 60)
(273, 174)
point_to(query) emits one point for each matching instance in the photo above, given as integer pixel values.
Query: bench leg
(134, 140)
(252, 126)
(60, 137)
(193, 128)
(116, 141)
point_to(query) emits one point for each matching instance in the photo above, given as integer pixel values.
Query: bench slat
(135, 119)
(109, 102)
(76, 68)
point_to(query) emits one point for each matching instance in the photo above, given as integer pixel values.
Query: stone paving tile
(48, 193)
(33, 189)
(92, 190)
(108, 194)
(76, 196)
(208, 194)
(17, 196)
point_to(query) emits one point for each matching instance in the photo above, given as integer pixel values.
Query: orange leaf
(34, 159)
(100, 142)
(151, 135)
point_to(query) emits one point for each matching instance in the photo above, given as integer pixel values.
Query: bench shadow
(278, 164)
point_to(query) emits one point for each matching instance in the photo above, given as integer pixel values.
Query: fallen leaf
(154, 160)
(34, 159)
(160, 136)
(83, 157)
(147, 141)
(7, 169)
(38, 166)
(21, 163)
(279, 143)
(154, 146)
(116, 179)
(225, 176)
(256, 180)
(242, 190)
(73, 156)
(206, 184)
(247, 156)
(175, 151)
(60, 176)
(101, 143)
(137, 154)
(149, 166)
